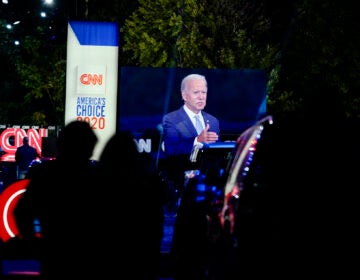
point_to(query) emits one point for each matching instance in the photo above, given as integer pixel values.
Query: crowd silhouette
(62, 196)
(93, 214)
(104, 218)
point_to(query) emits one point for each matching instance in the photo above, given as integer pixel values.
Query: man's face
(195, 95)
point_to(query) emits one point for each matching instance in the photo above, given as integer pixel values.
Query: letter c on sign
(8, 200)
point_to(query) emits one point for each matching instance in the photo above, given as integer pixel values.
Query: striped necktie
(198, 124)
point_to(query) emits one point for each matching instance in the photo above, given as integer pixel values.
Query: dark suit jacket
(179, 132)
(178, 137)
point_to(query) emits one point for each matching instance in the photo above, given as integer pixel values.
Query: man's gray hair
(191, 77)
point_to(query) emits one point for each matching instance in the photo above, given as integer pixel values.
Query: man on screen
(179, 127)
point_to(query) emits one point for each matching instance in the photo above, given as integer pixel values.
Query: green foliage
(206, 34)
(32, 91)
(42, 72)
(321, 63)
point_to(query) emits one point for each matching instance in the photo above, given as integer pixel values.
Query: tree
(10, 88)
(320, 65)
(35, 67)
(208, 34)
(42, 71)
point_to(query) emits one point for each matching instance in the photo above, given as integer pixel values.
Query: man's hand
(207, 136)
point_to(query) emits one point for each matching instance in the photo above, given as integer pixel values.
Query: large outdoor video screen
(237, 97)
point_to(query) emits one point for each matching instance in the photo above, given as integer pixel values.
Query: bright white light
(43, 14)
(17, 43)
(6, 210)
(5, 1)
(8, 26)
(48, 2)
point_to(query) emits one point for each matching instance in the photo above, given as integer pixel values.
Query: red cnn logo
(89, 79)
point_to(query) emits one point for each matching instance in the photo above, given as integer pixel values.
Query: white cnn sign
(92, 77)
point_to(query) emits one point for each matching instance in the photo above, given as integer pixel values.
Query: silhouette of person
(24, 155)
(135, 216)
(62, 196)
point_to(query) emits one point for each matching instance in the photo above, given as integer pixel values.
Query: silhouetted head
(120, 149)
(120, 146)
(76, 141)
(26, 140)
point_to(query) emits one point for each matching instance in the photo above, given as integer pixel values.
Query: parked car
(207, 229)
(283, 206)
